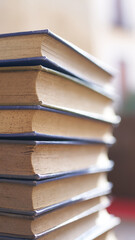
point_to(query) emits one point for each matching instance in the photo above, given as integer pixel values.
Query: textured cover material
(96, 192)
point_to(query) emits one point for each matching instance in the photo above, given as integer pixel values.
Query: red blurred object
(123, 208)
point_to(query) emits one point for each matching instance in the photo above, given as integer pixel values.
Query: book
(46, 159)
(37, 85)
(34, 213)
(65, 57)
(29, 195)
(25, 226)
(94, 224)
(53, 122)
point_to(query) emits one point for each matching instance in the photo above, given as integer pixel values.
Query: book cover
(44, 137)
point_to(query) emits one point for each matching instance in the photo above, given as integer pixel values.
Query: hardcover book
(29, 195)
(53, 122)
(91, 227)
(47, 159)
(65, 57)
(38, 85)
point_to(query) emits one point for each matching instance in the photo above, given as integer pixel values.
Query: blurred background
(105, 29)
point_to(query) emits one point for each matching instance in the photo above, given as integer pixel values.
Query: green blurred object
(128, 105)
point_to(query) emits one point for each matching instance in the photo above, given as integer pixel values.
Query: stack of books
(56, 121)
